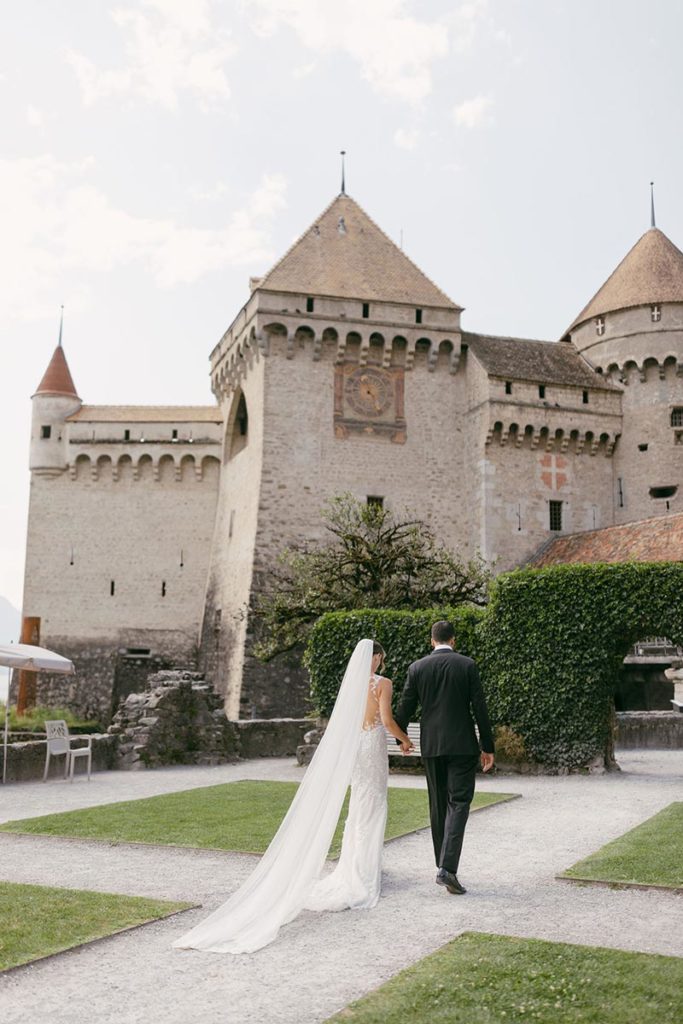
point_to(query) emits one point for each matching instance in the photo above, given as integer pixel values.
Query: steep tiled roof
(148, 414)
(648, 540)
(651, 272)
(545, 362)
(344, 253)
(57, 379)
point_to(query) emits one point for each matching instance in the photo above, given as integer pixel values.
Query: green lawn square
(650, 854)
(36, 921)
(494, 979)
(238, 816)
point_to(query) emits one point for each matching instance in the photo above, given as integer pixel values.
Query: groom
(447, 687)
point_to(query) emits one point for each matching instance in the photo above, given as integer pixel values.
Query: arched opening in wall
(399, 347)
(304, 336)
(237, 432)
(124, 468)
(642, 685)
(422, 349)
(353, 342)
(210, 468)
(376, 349)
(187, 469)
(330, 342)
(166, 469)
(445, 356)
(104, 469)
(83, 467)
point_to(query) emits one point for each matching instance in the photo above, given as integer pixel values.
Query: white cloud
(59, 229)
(304, 70)
(34, 116)
(171, 47)
(473, 113)
(395, 50)
(406, 138)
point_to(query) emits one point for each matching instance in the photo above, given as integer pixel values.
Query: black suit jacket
(447, 686)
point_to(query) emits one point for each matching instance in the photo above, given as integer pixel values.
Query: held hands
(487, 761)
(407, 745)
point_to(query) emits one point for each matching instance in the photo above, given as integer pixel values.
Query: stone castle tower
(347, 369)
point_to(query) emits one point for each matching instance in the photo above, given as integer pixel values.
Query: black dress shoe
(450, 881)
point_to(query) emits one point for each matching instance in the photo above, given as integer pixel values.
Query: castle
(347, 370)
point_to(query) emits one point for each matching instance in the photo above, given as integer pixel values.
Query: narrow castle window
(655, 314)
(366, 310)
(163, 588)
(418, 316)
(45, 432)
(126, 435)
(174, 435)
(541, 390)
(600, 325)
(238, 429)
(112, 588)
(375, 500)
(585, 397)
(508, 387)
(620, 491)
(676, 416)
(555, 515)
(310, 304)
(231, 523)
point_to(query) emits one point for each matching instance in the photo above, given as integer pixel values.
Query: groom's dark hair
(442, 632)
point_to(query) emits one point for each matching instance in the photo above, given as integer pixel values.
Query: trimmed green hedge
(549, 646)
(404, 636)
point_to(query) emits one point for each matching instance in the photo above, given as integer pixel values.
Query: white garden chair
(59, 742)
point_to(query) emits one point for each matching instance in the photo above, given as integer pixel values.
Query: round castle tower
(55, 399)
(632, 332)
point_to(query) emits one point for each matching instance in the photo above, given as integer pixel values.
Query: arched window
(238, 428)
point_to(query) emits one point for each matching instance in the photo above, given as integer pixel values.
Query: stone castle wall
(117, 556)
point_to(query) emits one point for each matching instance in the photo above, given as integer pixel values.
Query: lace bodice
(372, 718)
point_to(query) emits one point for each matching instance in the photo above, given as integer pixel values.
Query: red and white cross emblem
(553, 471)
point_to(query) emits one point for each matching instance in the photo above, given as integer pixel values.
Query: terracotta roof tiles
(57, 379)
(659, 539)
(651, 272)
(345, 254)
(544, 362)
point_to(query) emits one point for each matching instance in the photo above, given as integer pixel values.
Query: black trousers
(450, 782)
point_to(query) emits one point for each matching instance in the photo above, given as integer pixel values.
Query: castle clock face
(369, 391)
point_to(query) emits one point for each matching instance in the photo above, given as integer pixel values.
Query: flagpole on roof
(61, 326)
(652, 204)
(343, 181)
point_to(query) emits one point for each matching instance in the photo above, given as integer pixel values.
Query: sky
(155, 154)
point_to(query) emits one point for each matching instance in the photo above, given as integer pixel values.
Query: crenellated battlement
(542, 438)
(360, 343)
(158, 467)
(639, 368)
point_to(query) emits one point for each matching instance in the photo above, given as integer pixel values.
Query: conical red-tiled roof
(650, 273)
(345, 254)
(57, 379)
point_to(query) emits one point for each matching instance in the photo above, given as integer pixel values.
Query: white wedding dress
(287, 879)
(356, 880)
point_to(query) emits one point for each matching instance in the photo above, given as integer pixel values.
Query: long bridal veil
(276, 891)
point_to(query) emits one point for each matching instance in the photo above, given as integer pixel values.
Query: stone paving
(322, 962)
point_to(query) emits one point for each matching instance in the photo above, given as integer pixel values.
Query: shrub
(34, 719)
(549, 646)
(404, 636)
(552, 642)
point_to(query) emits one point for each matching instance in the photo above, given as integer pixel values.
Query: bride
(288, 878)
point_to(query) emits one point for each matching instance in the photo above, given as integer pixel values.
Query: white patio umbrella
(30, 659)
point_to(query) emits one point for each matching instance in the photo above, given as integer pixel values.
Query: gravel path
(322, 962)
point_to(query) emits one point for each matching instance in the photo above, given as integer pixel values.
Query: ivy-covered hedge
(404, 636)
(549, 646)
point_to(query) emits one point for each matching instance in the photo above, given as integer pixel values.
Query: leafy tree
(372, 560)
